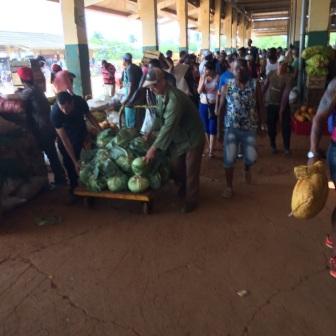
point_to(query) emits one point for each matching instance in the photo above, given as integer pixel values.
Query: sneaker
(328, 242)
(332, 267)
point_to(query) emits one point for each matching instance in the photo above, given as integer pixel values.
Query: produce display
(317, 60)
(118, 165)
(305, 113)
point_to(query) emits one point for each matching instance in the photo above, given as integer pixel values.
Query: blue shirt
(225, 77)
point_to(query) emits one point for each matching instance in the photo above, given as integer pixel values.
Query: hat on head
(153, 77)
(25, 74)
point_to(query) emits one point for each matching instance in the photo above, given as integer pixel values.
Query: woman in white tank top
(207, 90)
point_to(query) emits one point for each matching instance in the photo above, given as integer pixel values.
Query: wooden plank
(82, 192)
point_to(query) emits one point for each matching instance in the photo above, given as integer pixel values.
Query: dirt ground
(113, 271)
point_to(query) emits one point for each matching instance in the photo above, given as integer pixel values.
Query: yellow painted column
(76, 45)
(234, 29)
(228, 26)
(182, 17)
(218, 24)
(204, 19)
(148, 17)
(318, 22)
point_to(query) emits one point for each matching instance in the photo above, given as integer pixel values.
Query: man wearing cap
(181, 136)
(38, 120)
(131, 79)
(277, 87)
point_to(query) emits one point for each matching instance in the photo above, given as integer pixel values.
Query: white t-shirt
(211, 92)
(270, 67)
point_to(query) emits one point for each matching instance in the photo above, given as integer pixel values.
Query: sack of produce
(117, 183)
(311, 190)
(138, 184)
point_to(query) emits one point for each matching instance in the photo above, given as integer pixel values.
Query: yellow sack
(311, 190)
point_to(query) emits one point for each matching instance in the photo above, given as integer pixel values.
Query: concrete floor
(113, 271)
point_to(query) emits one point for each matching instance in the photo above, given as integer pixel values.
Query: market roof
(31, 41)
(268, 17)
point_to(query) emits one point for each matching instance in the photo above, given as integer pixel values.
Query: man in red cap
(38, 120)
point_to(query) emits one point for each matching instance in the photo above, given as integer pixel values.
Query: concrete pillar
(182, 16)
(241, 24)
(318, 22)
(76, 45)
(148, 17)
(204, 19)
(297, 22)
(228, 26)
(245, 22)
(218, 24)
(234, 29)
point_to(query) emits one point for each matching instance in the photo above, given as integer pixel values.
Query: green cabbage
(125, 163)
(96, 184)
(139, 166)
(117, 183)
(318, 72)
(138, 184)
(104, 137)
(139, 146)
(124, 137)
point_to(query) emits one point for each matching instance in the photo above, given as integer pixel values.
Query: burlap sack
(311, 190)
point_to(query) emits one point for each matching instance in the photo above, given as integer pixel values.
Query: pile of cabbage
(317, 60)
(118, 165)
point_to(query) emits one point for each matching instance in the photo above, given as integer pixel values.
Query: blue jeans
(209, 120)
(232, 139)
(331, 157)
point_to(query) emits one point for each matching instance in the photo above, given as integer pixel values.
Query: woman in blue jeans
(207, 90)
(242, 96)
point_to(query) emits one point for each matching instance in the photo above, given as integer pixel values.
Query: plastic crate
(304, 128)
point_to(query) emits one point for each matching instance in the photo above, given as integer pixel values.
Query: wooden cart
(89, 197)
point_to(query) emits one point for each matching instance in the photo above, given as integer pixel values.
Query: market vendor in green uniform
(181, 136)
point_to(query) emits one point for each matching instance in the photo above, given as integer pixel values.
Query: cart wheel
(147, 208)
(89, 202)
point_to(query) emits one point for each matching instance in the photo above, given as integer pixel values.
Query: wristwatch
(311, 155)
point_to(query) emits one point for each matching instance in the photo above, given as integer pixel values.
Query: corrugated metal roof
(31, 41)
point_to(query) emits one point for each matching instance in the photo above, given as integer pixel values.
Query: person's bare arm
(93, 121)
(68, 147)
(222, 99)
(259, 103)
(201, 85)
(325, 109)
(265, 87)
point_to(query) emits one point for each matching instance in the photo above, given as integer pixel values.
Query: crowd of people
(235, 94)
(189, 108)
